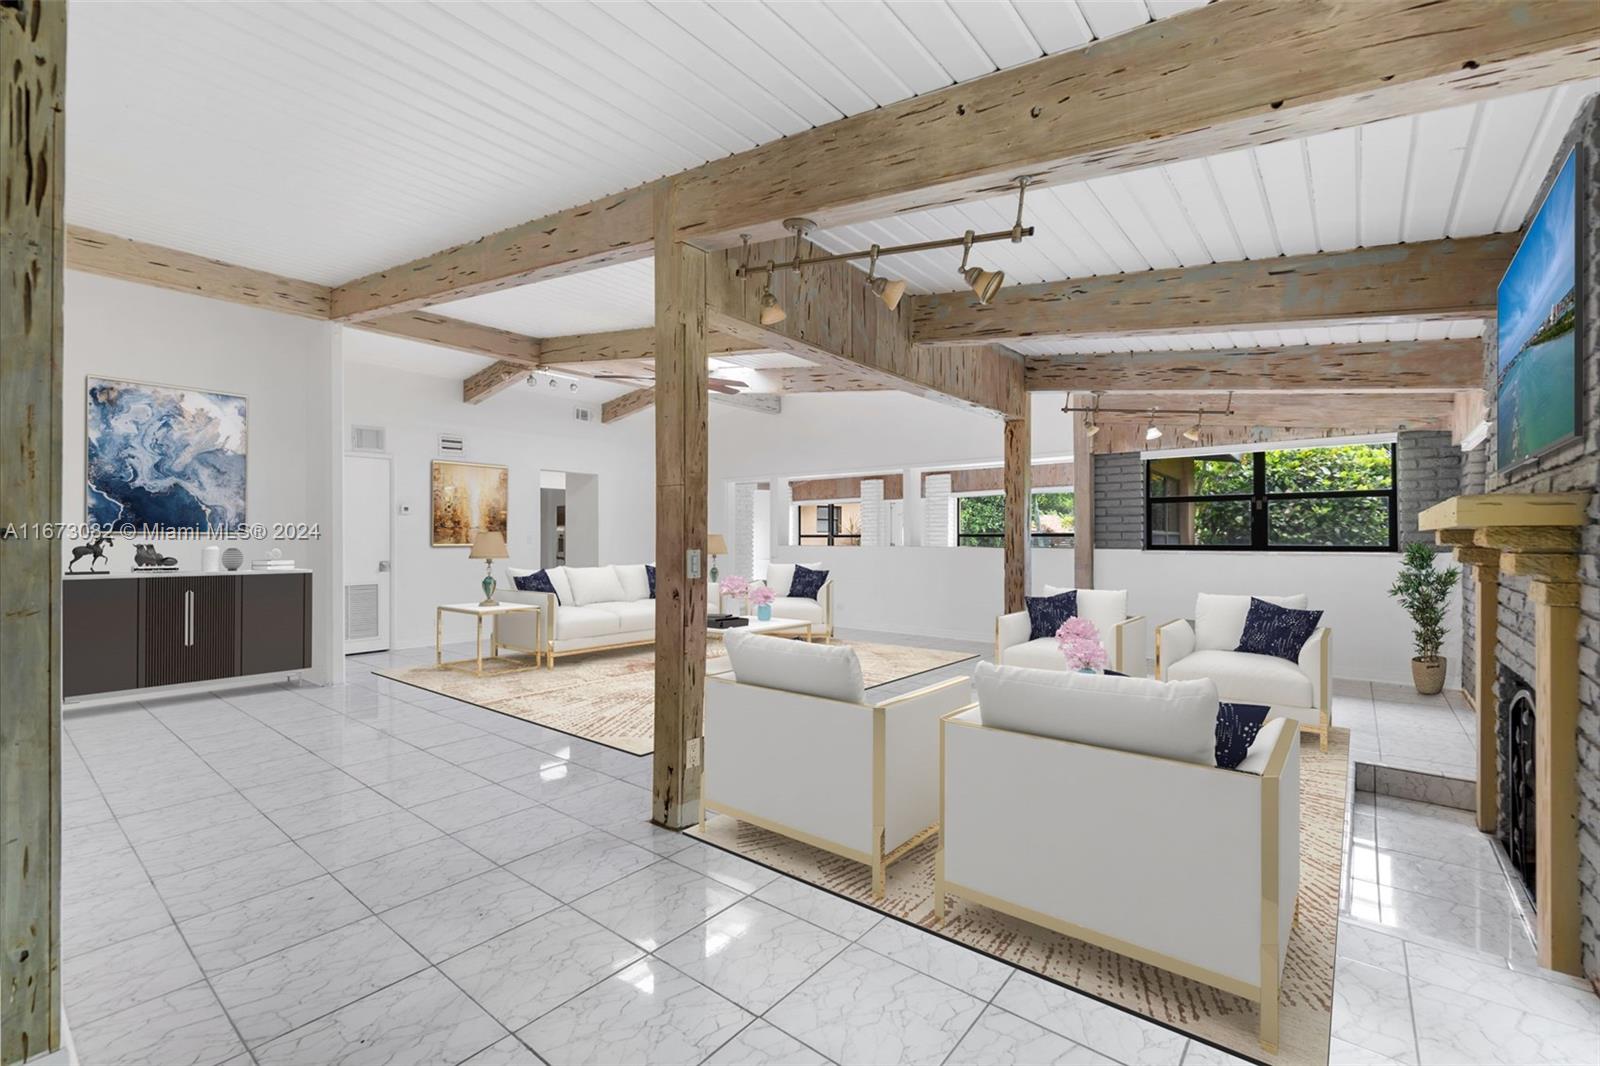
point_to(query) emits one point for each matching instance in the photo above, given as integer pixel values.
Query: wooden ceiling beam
(514, 348)
(631, 403)
(110, 256)
(834, 320)
(1186, 87)
(1396, 365)
(1449, 279)
(613, 229)
(572, 352)
(1281, 410)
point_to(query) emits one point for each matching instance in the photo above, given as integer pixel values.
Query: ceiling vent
(368, 439)
(450, 444)
(583, 413)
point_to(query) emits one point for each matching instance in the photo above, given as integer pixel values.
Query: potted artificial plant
(1423, 591)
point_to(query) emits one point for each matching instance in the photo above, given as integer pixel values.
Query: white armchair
(1298, 690)
(792, 746)
(1121, 634)
(1183, 865)
(819, 611)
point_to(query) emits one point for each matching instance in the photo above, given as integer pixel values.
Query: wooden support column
(33, 43)
(1555, 741)
(1082, 494)
(681, 503)
(1018, 509)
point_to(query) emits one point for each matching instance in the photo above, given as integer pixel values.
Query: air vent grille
(583, 414)
(360, 612)
(450, 444)
(368, 439)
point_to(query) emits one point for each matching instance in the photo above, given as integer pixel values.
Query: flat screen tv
(1539, 386)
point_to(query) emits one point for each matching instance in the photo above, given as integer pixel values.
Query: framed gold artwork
(466, 499)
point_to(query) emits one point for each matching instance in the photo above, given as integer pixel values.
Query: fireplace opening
(1517, 777)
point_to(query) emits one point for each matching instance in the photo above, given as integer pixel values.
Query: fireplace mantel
(1533, 536)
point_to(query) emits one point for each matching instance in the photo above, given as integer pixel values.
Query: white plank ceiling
(327, 140)
(1363, 332)
(1461, 172)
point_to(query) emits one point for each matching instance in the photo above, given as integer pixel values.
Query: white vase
(211, 559)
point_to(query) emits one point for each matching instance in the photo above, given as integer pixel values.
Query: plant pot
(1428, 675)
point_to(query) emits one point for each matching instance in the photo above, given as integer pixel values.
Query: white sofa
(1298, 690)
(792, 746)
(1115, 826)
(1122, 636)
(594, 607)
(819, 611)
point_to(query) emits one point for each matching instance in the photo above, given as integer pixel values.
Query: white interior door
(368, 515)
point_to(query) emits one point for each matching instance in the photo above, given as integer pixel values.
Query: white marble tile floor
(370, 873)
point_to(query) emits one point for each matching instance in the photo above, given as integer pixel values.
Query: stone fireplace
(1532, 603)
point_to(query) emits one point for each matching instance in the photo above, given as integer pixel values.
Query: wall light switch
(694, 564)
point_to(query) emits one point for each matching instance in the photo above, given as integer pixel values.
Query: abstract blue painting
(161, 457)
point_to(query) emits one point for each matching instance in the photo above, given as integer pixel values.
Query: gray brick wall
(1429, 471)
(1118, 501)
(1575, 467)
(1474, 473)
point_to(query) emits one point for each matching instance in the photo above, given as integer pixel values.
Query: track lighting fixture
(887, 291)
(1154, 432)
(984, 283)
(771, 311)
(1091, 429)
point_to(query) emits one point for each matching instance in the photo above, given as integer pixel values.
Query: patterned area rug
(1176, 1002)
(609, 697)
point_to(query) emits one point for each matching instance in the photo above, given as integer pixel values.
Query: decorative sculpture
(95, 548)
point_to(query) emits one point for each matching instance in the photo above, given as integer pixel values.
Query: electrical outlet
(694, 564)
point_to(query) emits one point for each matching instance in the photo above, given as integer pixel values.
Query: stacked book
(272, 564)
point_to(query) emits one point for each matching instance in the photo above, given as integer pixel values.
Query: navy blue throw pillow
(650, 572)
(1237, 726)
(538, 581)
(806, 582)
(1046, 613)
(1280, 631)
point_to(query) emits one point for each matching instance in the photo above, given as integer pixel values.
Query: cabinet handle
(188, 618)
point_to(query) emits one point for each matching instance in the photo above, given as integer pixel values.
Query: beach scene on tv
(1537, 384)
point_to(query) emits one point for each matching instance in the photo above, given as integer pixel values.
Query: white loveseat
(1298, 690)
(1115, 826)
(792, 746)
(1122, 636)
(817, 611)
(594, 607)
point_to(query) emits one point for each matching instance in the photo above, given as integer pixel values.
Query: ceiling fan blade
(730, 384)
(725, 388)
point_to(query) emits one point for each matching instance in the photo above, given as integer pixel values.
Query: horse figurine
(97, 549)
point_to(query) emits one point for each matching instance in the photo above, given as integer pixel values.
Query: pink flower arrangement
(735, 586)
(1079, 641)
(761, 596)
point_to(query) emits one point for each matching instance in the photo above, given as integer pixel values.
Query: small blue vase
(764, 612)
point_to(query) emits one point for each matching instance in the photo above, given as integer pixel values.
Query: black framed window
(832, 524)
(981, 520)
(1336, 498)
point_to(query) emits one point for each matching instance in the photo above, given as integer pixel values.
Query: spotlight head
(1153, 433)
(771, 312)
(572, 386)
(1091, 429)
(1192, 435)
(889, 291)
(984, 283)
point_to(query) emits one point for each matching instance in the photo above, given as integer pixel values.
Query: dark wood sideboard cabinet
(121, 633)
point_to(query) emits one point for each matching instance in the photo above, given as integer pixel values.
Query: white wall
(526, 431)
(1371, 634)
(288, 370)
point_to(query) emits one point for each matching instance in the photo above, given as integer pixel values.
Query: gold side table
(480, 612)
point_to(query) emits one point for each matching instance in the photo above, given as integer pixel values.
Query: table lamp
(488, 547)
(715, 546)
